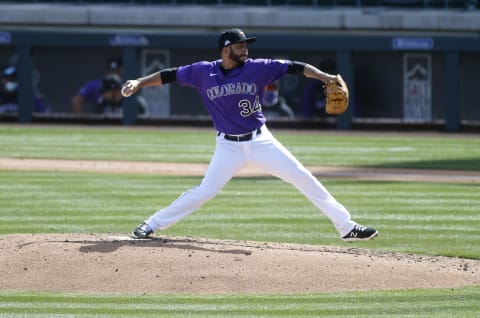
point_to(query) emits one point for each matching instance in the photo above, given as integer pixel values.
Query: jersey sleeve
(275, 69)
(191, 75)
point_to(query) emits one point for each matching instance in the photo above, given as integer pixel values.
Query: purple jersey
(233, 100)
(91, 91)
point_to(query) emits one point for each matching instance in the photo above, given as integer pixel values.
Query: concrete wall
(280, 17)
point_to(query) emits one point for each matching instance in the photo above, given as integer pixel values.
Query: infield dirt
(116, 263)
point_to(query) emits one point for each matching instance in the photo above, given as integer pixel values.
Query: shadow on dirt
(182, 244)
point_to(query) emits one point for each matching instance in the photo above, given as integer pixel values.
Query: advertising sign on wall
(157, 97)
(417, 87)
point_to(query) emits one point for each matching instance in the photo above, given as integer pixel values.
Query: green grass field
(447, 303)
(426, 218)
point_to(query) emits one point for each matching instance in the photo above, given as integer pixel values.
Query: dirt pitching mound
(117, 263)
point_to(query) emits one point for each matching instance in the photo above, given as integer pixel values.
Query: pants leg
(226, 161)
(270, 155)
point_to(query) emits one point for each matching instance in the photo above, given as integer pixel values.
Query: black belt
(245, 137)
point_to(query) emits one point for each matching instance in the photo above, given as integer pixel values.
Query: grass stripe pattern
(416, 303)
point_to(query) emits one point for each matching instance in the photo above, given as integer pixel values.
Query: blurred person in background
(110, 101)
(9, 93)
(274, 105)
(91, 91)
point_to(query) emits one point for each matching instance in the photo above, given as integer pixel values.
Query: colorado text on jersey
(231, 89)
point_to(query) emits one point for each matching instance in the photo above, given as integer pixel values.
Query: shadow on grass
(472, 164)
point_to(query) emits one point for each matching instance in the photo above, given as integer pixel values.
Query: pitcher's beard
(238, 59)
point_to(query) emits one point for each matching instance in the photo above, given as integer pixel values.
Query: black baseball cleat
(360, 233)
(142, 231)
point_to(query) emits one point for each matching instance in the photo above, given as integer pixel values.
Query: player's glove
(336, 95)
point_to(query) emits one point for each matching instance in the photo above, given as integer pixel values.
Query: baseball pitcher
(232, 89)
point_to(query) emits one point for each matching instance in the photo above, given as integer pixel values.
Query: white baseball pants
(265, 152)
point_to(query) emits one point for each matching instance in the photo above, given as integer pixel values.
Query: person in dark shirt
(9, 93)
(92, 90)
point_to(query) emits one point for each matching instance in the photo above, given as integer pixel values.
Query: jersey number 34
(246, 107)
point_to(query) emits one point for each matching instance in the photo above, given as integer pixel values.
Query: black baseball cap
(232, 36)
